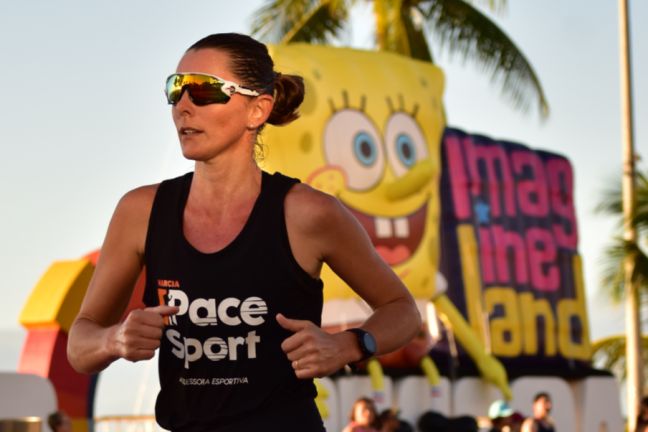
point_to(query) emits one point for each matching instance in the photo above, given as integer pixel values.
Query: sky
(84, 118)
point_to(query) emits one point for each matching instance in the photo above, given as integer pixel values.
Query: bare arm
(321, 230)
(97, 337)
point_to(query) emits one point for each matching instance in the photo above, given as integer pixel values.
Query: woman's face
(210, 130)
(363, 414)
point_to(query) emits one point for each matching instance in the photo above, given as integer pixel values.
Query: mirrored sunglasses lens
(207, 92)
(173, 88)
(203, 89)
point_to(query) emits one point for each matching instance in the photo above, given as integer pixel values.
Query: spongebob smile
(394, 238)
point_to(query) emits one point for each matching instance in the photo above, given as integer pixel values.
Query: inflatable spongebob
(370, 134)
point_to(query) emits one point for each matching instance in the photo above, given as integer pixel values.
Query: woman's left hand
(314, 352)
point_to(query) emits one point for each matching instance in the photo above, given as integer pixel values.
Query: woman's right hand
(138, 336)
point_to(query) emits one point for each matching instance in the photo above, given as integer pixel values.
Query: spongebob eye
(352, 142)
(365, 149)
(405, 150)
(405, 143)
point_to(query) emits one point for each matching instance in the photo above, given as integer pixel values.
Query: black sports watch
(366, 342)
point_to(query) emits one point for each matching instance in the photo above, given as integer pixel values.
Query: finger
(138, 320)
(142, 331)
(292, 344)
(142, 354)
(151, 316)
(292, 324)
(293, 354)
(164, 310)
(304, 368)
(149, 344)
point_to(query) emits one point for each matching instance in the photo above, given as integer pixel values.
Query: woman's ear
(259, 110)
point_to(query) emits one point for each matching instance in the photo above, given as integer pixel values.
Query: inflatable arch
(47, 317)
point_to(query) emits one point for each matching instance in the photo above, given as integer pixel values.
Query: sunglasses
(203, 89)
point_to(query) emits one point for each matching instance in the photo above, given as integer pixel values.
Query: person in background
(390, 422)
(59, 421)
(363, 417)
(500, 415)
(541, 420)
(464, 423)
(517, 418)
(433, 421)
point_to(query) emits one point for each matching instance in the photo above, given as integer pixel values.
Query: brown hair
(252, 64)
(368, 402)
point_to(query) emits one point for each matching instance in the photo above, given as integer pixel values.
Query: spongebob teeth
(383, 228)
(386, 227)
(401, 227)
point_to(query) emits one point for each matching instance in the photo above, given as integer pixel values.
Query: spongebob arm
(490, 368)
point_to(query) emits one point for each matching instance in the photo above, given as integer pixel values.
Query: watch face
(369, 343)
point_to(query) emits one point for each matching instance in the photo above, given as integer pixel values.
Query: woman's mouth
(188, 131)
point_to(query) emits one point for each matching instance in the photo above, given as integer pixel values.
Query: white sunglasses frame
(228, 87)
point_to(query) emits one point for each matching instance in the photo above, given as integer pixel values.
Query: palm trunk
(634, 380)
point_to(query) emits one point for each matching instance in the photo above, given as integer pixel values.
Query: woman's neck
(224, 180)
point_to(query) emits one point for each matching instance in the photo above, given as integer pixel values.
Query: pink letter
(531, 183)
(497, 178)
(510, 253)
(459, 182)
(561, 185)
(545, 275)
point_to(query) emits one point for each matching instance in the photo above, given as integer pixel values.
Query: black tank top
(221, 366)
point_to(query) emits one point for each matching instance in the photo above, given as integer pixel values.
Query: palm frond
(612, 271)
(315, 21)
(613, 280)
(611, 202)
(465, 30)
(319, 25)
(276, 17)
(494, 5)
(610, 353)
(418, 45)
(640, 219)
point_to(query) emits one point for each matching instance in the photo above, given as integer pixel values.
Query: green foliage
(610, 354)
(611, 203)
(401, 26)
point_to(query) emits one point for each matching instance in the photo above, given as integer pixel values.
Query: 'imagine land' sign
(509, 251)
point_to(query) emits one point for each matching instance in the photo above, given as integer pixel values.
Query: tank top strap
(168, 204)
(275, 189)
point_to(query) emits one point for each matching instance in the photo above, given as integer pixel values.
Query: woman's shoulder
(144, 195)
(312, 207)
(141, 196)
(135, 205)
(304, 197)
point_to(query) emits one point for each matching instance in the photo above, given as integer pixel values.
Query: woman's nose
(184, 103)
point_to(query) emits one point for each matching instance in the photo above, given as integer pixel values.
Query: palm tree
(611, 203)
(611, 352)
(401, 26)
